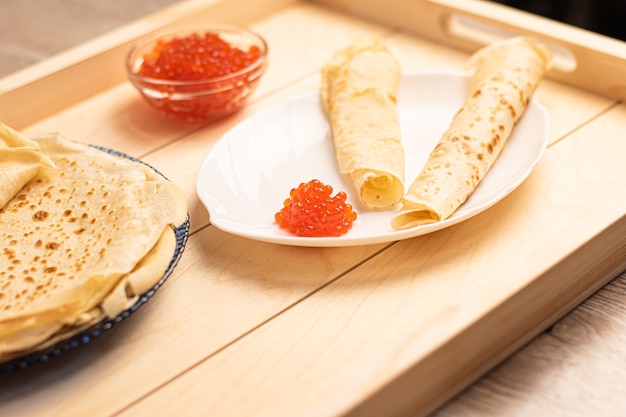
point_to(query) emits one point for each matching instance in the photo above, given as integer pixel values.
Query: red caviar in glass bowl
(198, 75)
(312, 211)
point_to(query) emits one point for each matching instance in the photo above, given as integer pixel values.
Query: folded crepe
(358, 89)
(20, 160)
(505, 77)
(81, 241)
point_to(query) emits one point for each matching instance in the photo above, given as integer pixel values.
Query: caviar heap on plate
(312, 211)
(198, 76)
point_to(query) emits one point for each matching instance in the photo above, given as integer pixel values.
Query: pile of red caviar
(196, 57)
(216, 80)
(312, 211)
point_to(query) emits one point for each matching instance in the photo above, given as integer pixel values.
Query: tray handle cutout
(582, 58)
(482, 33)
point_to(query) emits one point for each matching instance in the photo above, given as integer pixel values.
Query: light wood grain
(247, 328)
(574, 369)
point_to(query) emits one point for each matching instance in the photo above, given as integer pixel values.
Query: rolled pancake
(20, 160)
(358, 88)
(505, 77)
(82, 240)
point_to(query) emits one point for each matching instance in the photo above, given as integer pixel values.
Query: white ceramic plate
(248, 174)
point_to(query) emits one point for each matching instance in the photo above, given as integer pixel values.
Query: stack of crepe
(84, 234)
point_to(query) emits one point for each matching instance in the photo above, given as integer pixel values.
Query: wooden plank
(576, 368)
(406, 329)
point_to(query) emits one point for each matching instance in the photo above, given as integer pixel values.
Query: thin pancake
(73, 234)
(505, 77)
(359, 87)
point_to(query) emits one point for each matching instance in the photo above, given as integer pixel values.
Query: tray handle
(583, 59)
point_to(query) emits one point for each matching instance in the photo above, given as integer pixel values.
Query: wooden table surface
(577, 367)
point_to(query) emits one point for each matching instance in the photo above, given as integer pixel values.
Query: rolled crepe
(359, 86)
(505, 77)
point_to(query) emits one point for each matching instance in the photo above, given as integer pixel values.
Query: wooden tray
(247, 328)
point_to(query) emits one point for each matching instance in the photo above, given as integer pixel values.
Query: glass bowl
(198, 75)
